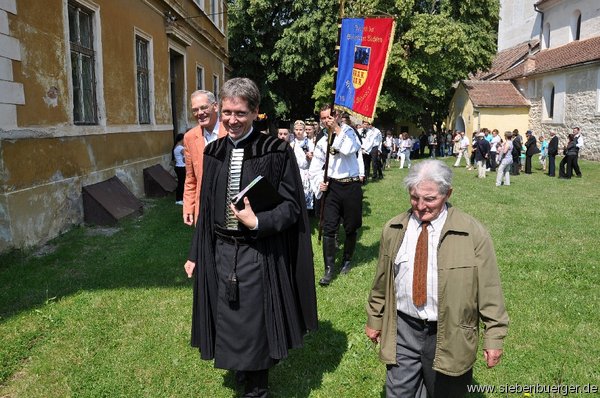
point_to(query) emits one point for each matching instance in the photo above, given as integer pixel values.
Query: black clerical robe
(277, 301)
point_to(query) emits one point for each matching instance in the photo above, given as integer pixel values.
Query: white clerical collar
(242, 138)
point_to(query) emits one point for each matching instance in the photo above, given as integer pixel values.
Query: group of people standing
(254, 294)
(510, 155)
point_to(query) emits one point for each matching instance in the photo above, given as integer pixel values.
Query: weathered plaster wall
(42, 179)
(44, 158)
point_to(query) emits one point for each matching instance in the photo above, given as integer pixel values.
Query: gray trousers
(413, 374)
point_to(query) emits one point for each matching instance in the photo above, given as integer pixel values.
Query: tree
(288, 48)
(285, 46)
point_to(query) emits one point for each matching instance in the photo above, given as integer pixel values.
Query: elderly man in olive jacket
(437, 276)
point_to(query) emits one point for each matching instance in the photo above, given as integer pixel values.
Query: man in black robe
(254, 291)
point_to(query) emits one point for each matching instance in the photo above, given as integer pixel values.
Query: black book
(261, 194)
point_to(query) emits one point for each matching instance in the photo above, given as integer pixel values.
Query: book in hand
(261, 194)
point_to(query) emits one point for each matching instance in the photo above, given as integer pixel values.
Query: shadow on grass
(302, 372)
(148, 251)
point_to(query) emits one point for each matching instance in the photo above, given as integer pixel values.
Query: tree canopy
(288, 48)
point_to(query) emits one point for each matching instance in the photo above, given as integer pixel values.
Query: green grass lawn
(106, 312)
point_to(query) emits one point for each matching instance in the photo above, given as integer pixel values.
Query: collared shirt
(341, 165)
(210, 136)
(373, 139)
(404, 265)
(579, 141)
(464, 142)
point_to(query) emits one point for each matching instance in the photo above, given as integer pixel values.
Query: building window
(546, 36)
(551, 105)
(598, 92)
(214, 12)
(576, 25)
(83, 58)
(143, 79)
(199, 78)
(200, 4)
(549, 101)
(216, 87)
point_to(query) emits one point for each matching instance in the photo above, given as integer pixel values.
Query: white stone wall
(560, 17)
(580, 109)
(519, 22)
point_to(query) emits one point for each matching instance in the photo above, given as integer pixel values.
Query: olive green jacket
(468, 290)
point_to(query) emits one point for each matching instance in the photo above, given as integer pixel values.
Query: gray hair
(244, 88)
(209, 95)
(431, 170)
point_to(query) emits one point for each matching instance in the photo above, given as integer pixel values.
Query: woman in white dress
(303, 149)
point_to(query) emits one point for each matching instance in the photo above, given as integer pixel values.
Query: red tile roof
(507, 58)
(494, 94)
(574, 53)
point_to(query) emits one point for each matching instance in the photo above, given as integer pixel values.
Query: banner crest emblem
(360, 71)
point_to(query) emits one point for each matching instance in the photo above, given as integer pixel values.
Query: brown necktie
(419, 287)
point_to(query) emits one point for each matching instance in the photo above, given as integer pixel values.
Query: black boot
(349, 246)
(329, 258)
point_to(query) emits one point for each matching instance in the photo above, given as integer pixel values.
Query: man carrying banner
(342, 192)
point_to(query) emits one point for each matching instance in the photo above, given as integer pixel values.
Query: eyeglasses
(238, 114)
(203, 108)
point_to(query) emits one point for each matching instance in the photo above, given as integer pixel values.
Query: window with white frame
(199, 78)
(143, 79)
(83, 59)
(214, 11)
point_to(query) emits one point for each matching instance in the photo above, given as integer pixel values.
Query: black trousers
(377, 164)
(528, 164)
(257, 384)
(367, 163)
(565, 169)
(342, 201)
(492, 161)
(180, 172)
(576, 165)
(551, 165)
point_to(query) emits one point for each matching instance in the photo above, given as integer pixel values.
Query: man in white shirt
(579, 144)
(371, 149)
(464, 150)
(342, 192)
(205, 110)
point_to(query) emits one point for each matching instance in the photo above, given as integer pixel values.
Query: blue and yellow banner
(365, 44)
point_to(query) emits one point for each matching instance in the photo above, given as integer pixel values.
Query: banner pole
(330, 133)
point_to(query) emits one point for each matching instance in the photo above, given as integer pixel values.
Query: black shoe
(327, 277)
(346, 267)
(578, 175)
